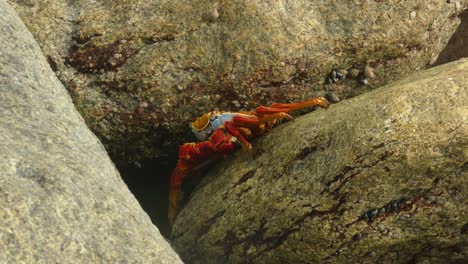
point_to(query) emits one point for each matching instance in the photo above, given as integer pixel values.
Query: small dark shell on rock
(357, 237)
(464, 229)
(388, 207)
(336, 76)
(341, 74)
(382, 211)
(364, 216)
(332, 97)
(373, 213)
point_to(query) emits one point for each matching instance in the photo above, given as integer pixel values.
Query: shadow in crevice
(149, 183)
(457, 47)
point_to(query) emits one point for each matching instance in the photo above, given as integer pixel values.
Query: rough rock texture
(379, 178)
(458, 45)
(61, 198)
(139, 70)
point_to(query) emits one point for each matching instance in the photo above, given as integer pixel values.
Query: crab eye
(201, 123)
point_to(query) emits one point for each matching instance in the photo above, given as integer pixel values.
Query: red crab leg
(231, 128)
(250, 122)
(276, 108)
(192, 156)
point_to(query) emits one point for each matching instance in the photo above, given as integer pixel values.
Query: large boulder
(61, 198)
(379, 178)
(139, 70)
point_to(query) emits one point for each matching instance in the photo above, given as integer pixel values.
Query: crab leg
(231, 128)
(286, 108)
(254, 122)
(189, 155)
(192, 156)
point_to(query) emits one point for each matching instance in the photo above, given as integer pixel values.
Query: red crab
(219, 133)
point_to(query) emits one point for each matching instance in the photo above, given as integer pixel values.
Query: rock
(368, 72)
(61, 198)
(458, 45)
(332, 97)
(386, 158)
(353, 73)
(112, 55)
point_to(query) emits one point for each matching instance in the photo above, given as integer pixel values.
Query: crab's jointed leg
(264, 118)
(286, 108)
(191, 157)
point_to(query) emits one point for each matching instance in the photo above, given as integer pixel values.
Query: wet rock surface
(379, 178)
(61, 198)
(138, 71)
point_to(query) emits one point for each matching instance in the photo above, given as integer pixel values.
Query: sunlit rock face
(61, 198)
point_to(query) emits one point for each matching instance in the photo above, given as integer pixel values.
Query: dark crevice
(464, 229)
(258, 239)
(245, 177)
(149, 183)
(306, 152)
(363, 161)
(345, 180)
(243, 191)
(52, 63)
(457, 45)
(206, 226)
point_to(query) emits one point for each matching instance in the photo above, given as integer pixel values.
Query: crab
(220, 133)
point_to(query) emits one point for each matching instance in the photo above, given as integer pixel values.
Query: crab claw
(322, 102)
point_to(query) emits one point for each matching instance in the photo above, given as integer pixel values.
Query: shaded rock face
(61, 198)
(458, 45)
(139, 70)
(379, 178)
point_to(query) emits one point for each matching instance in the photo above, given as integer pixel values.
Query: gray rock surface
(379, 178)
(61, 198)
(138, 71)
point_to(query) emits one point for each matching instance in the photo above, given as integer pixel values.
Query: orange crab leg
(254, 122)
(286, 108)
